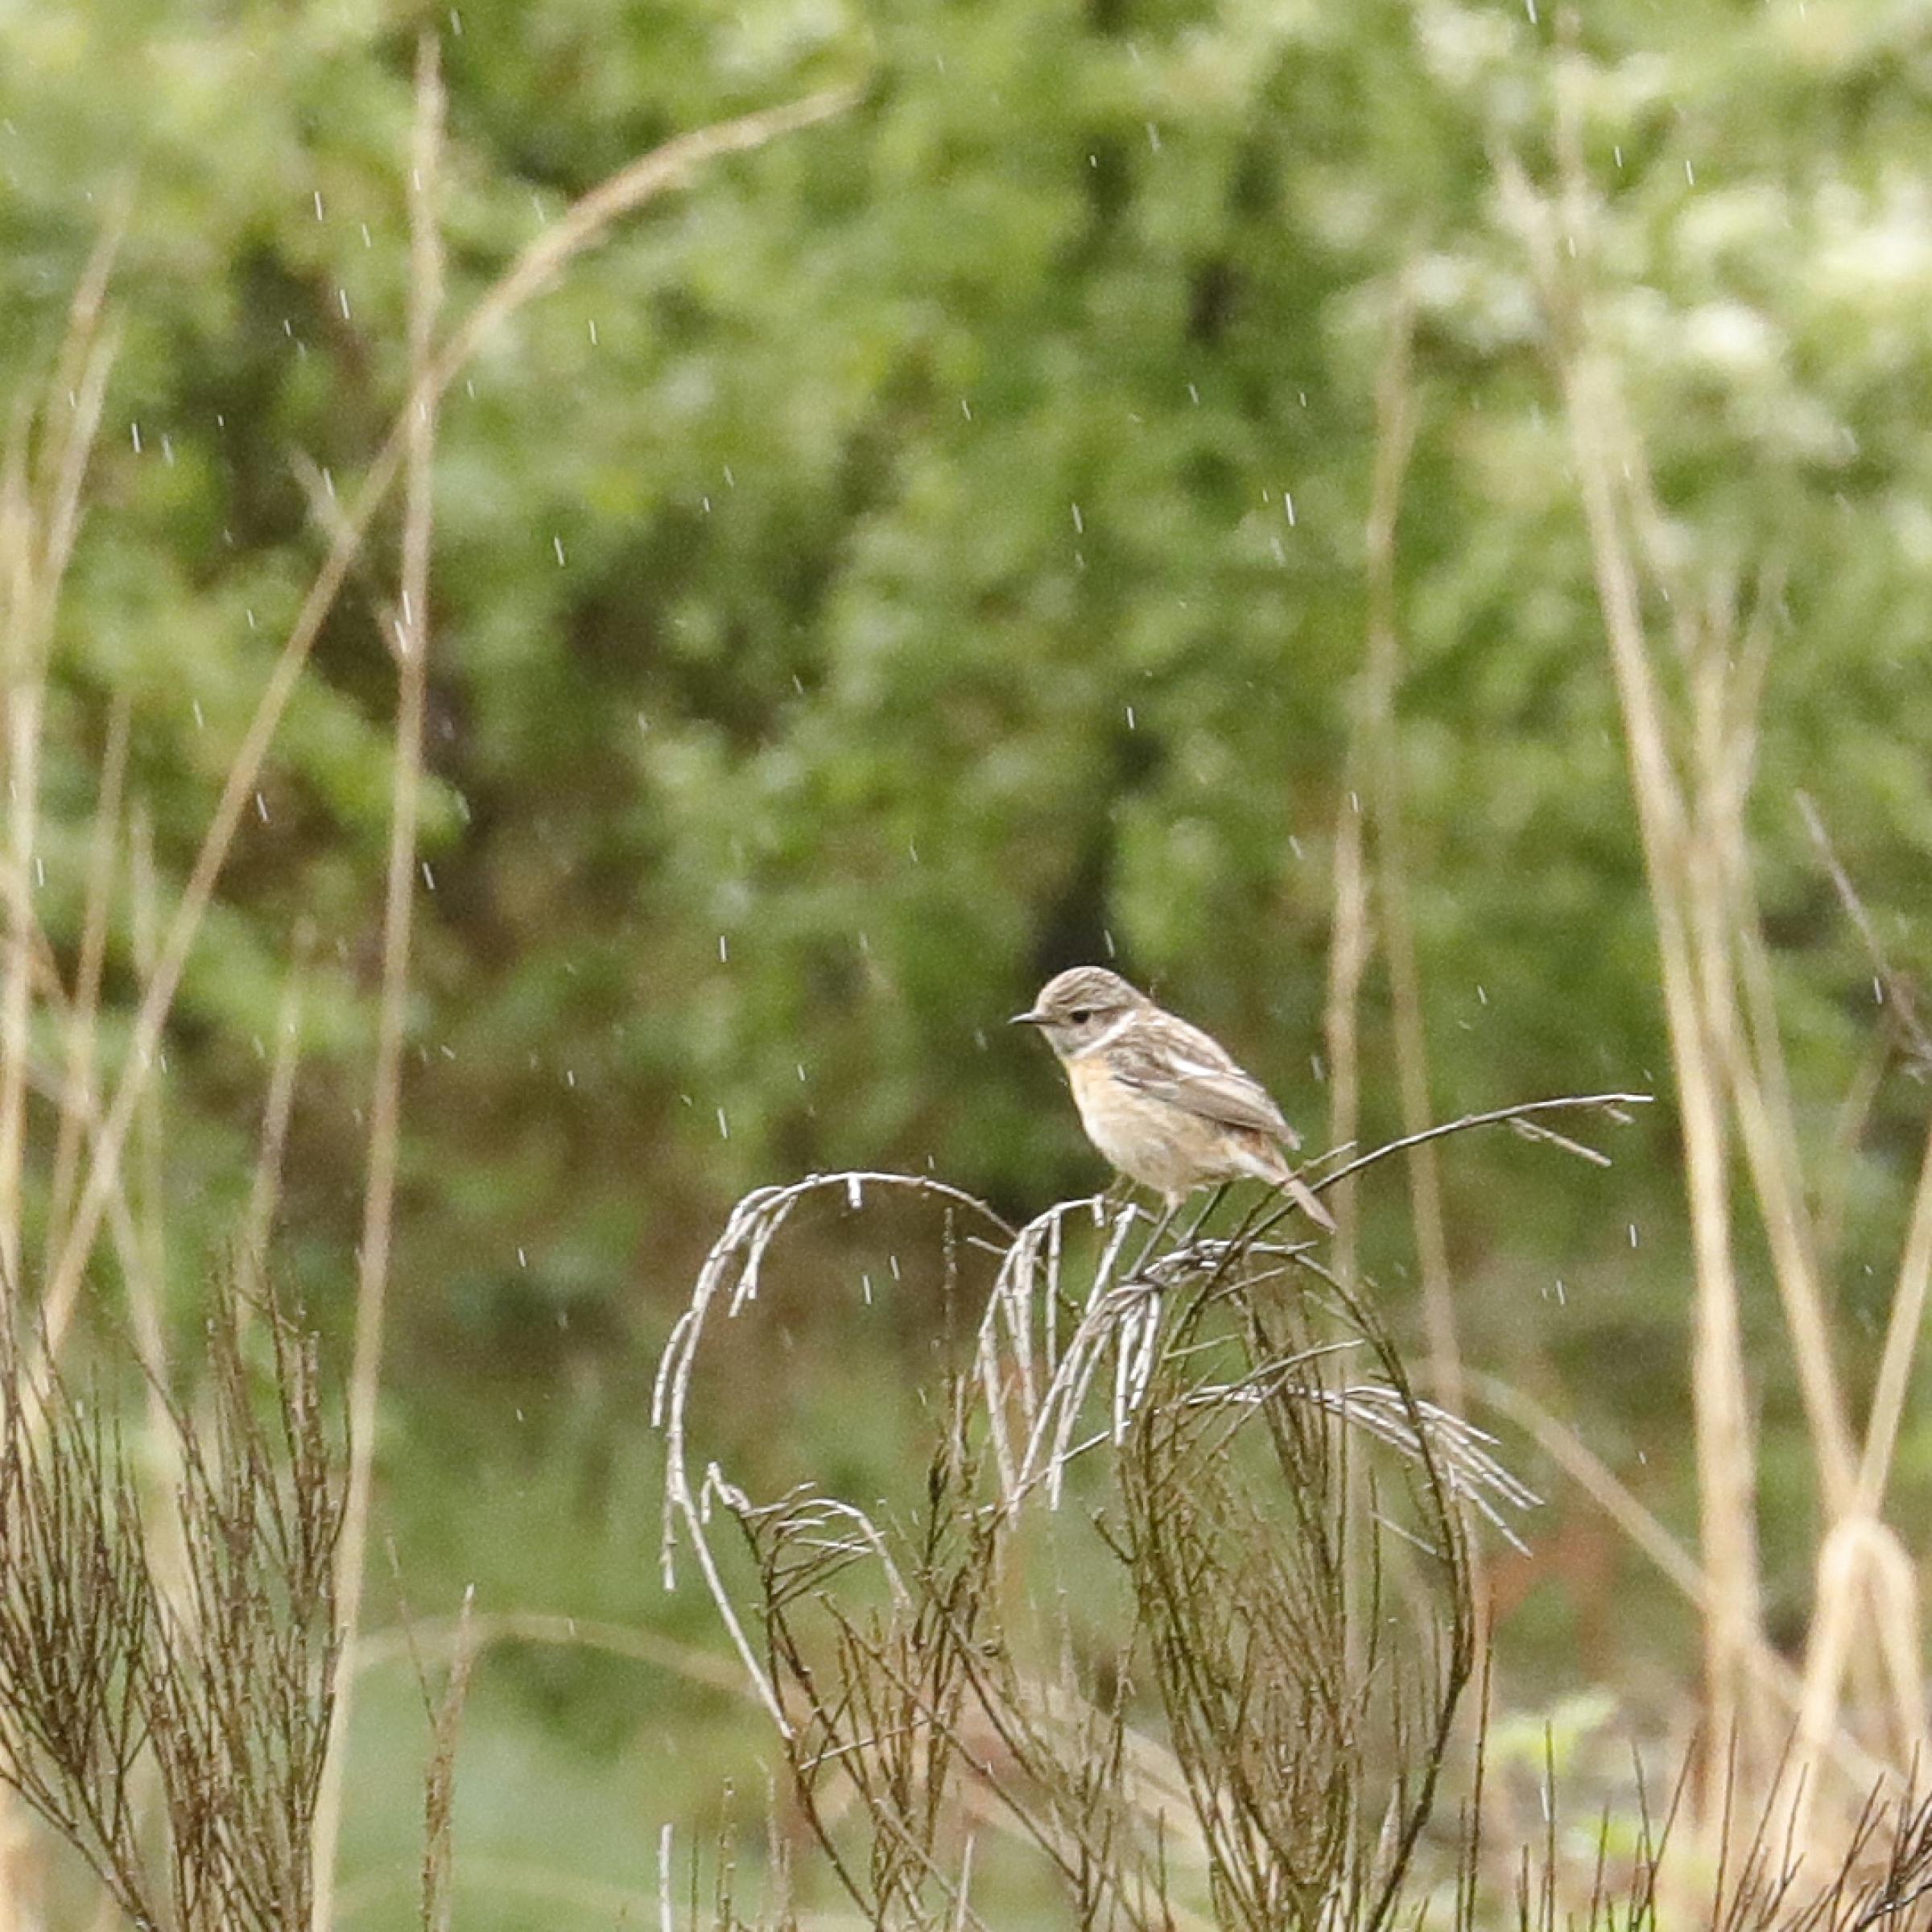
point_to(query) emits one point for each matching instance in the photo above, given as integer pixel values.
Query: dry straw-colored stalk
(1396, 415)
(409, 634)
(1691, 776)
(40, 521)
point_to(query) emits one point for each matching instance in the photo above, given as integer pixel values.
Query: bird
(1165, 1103)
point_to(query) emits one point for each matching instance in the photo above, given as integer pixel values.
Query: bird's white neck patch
(1106, 1037)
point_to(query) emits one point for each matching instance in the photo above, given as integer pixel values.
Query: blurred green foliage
(928, 552)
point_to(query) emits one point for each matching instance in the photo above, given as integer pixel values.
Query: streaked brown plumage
(1165, 1102)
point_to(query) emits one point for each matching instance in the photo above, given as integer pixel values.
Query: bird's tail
(1306, 1198)
(1260, 1156)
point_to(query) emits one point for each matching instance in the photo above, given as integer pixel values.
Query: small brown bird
(1162, 1101)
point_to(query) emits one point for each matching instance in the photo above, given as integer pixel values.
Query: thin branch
(411, 642)
(1522, 1111)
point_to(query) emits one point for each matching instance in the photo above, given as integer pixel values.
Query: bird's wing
(1176, 1062)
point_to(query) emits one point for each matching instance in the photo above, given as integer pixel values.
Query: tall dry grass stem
(1396, 415)
(278, 1111)
(41, 483)
(1691, 774)
(103, 848)
(1557, 240)
(409, 634)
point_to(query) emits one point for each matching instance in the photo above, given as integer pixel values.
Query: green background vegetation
(922, 555)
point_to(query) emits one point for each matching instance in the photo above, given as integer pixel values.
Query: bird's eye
(1081, 1018)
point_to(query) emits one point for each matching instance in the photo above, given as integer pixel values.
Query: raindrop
(706, 501)
(328, 481)
(1482, 996)
(135, 429)
(261, 808)
(456, 23)
(801, 1065)
(892, 1261)
(1633, 1234)
(1878, 990)
(288, 329)
(1107, 940)
(1280, 555)
(643, 722)
(1529, 8)
(40, 869)
(723, 950)
(429, 878)
(912, 847)
(855, 1193)
(865, 1286)
(570, 1079)
(1130, 725)
(723, 1126)
(1288, 505)
(1194, 395)
(556, 544)
(1618, 152)
(249, 613)
(318, 205)
(1689, 173)
(1563, 1300)
(1080, 523)
(1154, 137)
(1294, 846)
(367, 241)
(592, 326)
(731, 480)
(200, 722)
(965, 409)
(167, 451)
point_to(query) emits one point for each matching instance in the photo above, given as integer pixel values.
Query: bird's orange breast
(1152, 1142)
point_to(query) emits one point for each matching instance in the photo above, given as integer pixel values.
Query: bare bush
(1186, 1608)
(192, 1649)
(1184, 1616)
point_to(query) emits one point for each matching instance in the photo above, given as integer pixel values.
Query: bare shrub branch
(205, 1645)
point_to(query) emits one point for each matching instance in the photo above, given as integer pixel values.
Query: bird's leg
(1201, 1219)
(1160, 1227)
(1166, 1220)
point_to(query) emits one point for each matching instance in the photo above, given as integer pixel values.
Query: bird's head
(1076, 1007)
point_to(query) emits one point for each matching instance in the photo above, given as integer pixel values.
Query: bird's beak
(1032, 1016)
